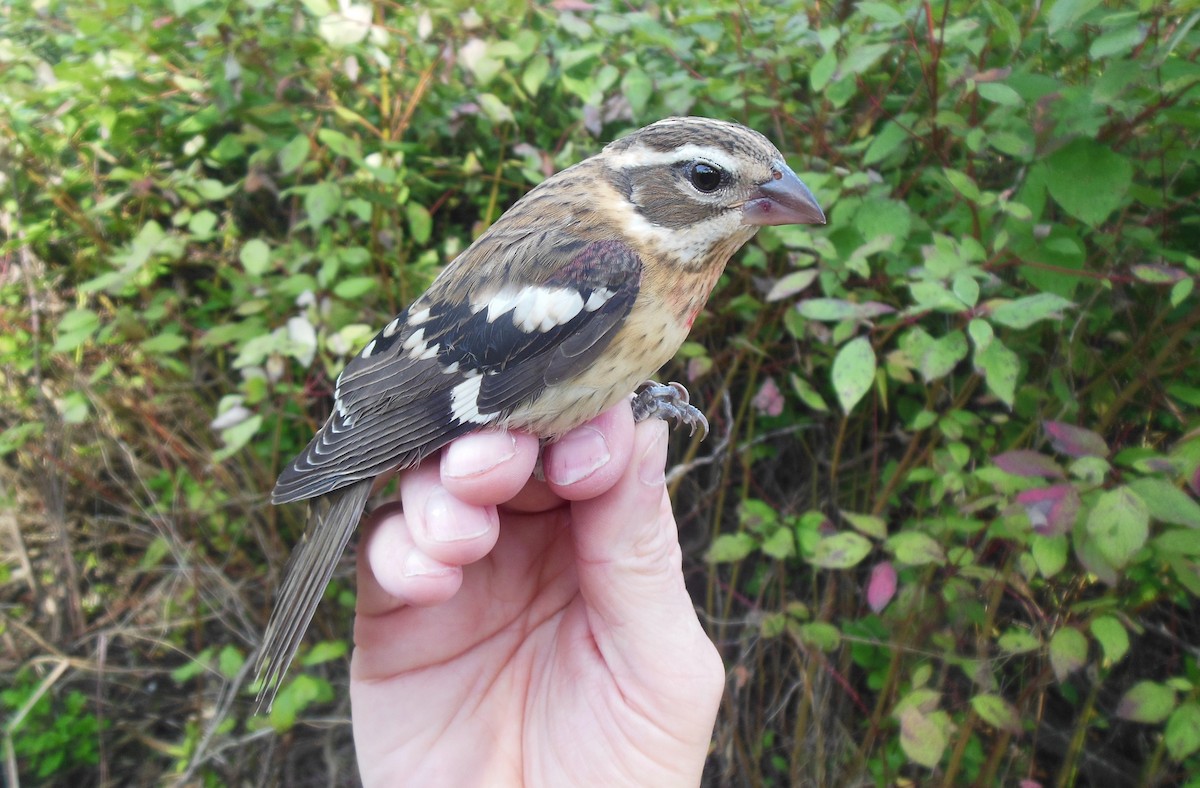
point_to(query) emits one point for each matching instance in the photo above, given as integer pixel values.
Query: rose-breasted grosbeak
(576, 295)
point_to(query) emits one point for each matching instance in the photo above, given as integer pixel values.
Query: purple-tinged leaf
(1051, 510)
(1194, 481)
(1147, 701)
(1075, 441)
(1024, 462)
(768, 401)
(882, 585)
(923, 738)
(1157, 274)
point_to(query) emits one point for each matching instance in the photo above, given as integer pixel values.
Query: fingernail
(653, 464)
(478, 453)
(577, 456)
(447, 519)
(417, 564)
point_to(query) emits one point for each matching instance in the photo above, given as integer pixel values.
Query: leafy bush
(947, 527)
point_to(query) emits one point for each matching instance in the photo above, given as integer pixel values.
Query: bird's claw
(670, 402)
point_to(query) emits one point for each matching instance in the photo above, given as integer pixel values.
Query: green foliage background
(946, 530)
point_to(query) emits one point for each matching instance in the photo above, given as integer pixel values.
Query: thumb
(630, 570)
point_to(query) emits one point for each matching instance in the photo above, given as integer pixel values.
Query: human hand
(517, 632)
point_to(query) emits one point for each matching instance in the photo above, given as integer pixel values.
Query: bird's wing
(444, 368)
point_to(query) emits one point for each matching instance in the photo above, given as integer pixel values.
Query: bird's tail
(331, 521)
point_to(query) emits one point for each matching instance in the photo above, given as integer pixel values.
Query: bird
(566, 305)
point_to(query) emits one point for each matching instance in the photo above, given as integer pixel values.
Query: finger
(441, 525)
(589, 460)
(392, 572)
(630, 573)
(488, 467)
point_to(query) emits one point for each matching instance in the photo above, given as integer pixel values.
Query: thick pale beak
(782, 200)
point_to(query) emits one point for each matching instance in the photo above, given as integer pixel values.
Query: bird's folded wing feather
(444, 368)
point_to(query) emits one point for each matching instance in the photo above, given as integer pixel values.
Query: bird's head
(698, 186)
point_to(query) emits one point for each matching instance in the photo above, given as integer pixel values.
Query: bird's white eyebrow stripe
(641, 156)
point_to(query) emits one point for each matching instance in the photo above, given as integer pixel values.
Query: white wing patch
(417, 318)
(418, 349)
(597, 299)
(537, 308)
(464, 399)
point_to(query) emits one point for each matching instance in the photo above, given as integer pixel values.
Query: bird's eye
(704, 176)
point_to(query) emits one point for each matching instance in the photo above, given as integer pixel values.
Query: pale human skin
(514, 632)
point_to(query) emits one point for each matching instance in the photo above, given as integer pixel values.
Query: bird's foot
(670, 402)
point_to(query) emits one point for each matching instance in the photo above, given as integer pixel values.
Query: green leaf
(998, 93)
(807, 394)
(1119, 523)
(1001, 367)
(997, 712)
(229, 661)
(1182, 735)
(294, 154)
(74, 329)
(790, 284)
(1068, 652)
(942, 355)
(535, 74)
(1024, 312)
(923, 737)
(780, 545)
(255, 256)
(1118, 41)
(841, 551)
(820, 635)
(420, 223)
(869, 524)
(164, 343)
(354, 287)
(325, 651)
(853, 372)
(1064, 14)
(321, 202)
(1112, 637)
(1147, 701)
(888, 140)
(1018, 641)
(1166, 502)
(1088, 180)
(159, 549)
(340, 144)
(962, 183)
(637, 88)
(496, 110)
(727, 548)
(915, 548)
(237, 436)
(829, 310)
(1049, 553)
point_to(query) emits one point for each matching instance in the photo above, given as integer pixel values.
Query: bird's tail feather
(331, 521)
